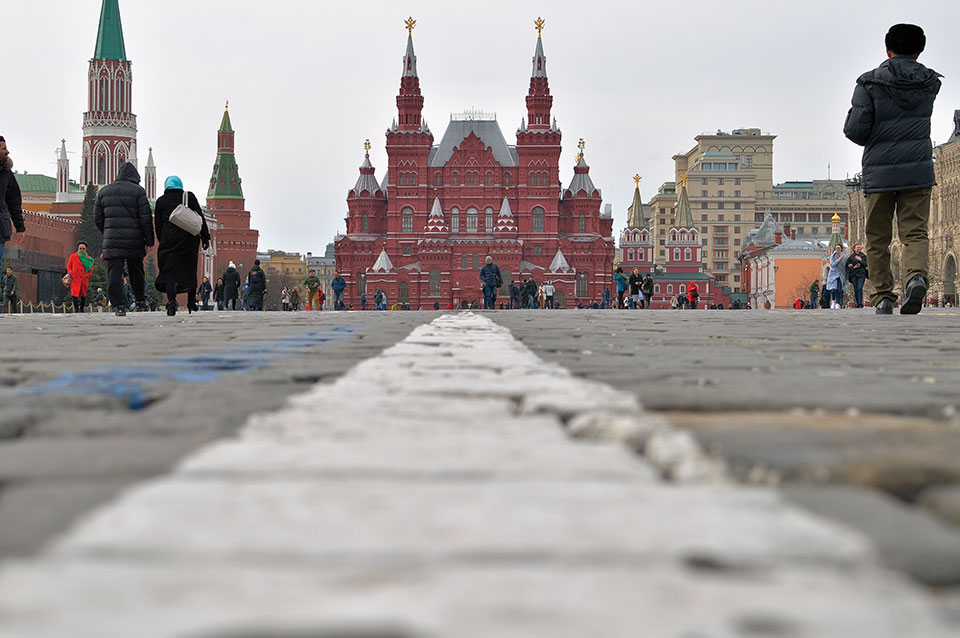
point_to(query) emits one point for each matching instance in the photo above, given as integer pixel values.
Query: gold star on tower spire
(410, 24)
(366, 145)
(538, 23)
(636, 179)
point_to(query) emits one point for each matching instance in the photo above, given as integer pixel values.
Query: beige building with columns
(944, 222)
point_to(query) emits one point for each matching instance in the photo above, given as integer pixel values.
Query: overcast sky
(308, 81)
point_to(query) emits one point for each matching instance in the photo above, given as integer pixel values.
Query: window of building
(720, 193)
(656, 288)
(582, 285)
(719, 218)
(538, 250)
(736, 205)
(476, 262)
(406, 250)
(471, 220)
(364, 223)
(406, 220)
(720, 241)
(456, 179)
(731, 167)
(736, 230)
(663, 211)
(703, 205)
(736, 242)
(662, 242)
(720, 205)
(489, 179)
(403, 292)
(676, 254)
(704, 217)
(736, 218)
(661, 252)
(455, 220)
(583, 223)
(687, 254)
(538, 220)
(736, 193)
(703, 229)
(630, 255)
(748, 160)
(434, 283)
(361, 284)
(669, 289)
(736, 181)
(506, 179)
(703, 193)
(662, 231)
(464, 261)
(438, 178)
(705, 167)
(720, 167)
(489, 225)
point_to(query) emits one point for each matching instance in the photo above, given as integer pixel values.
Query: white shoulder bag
(186, 218)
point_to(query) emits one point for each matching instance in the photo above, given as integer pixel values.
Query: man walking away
(231, 286)
(256, 287)
(492, 280)
(814, 293)
(205, 291)
(122, 213)
(548, 292)
(312, 284)
(338, 285)
(514, 295)
(890, 118)
(8, 290)
(857, 273)
(11, 213)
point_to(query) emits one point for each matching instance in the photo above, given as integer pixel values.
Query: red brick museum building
(421, 233)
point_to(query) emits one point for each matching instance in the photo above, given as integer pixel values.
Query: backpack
(254, 277)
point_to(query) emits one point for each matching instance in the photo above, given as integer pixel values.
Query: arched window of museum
(361, 284)
(489, 179)
(456, 179)
(538, 220)
(676, 254)
(406, 220)
(630, 254)
(434, 283)
(583, 223)
(505, 275)
(471, 220)
(506, 179)
(438, 178)
(403, 292)
(464, 261)
(455, 220)
(582, 285)
(489, 221)
(687, 254)
(364, 223)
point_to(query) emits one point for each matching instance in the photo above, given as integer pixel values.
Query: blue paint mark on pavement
(132, 383)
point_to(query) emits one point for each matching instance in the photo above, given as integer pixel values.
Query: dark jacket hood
(128, 172)
(7, 164)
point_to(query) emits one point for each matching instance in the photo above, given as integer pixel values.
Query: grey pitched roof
(581, 179)
(487, 130)
(367, 180)
(798, 244)
(539, 71)
(635, 216)
(684, 214)
(526, 265)
(410, 60)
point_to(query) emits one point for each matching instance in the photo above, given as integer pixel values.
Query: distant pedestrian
(100, 301)
(256, 287)
(857, 273)
(8, 290)
(122, 213)
(530, 293)
(825, 296)
(79, 267)
(436, 305)
(338, 285)
(363, 302)
(836, 277)
(11, 202)
(606, 299)
(380, 299)
(204, 293)
(295, 299)
(514, 295)
(814, 293)
(548, 292)
(231, 286)
(312, 285)
(285, 299)
(218, 293)
(177, 248)
(647, 289)
(693, 295)
(890, 118)
(636, 281)
(492, 280)
(621, 281)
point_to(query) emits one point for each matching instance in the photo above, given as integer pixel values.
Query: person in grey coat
(890, 118)
(122, 213)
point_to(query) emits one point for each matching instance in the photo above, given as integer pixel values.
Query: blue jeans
(858, 290)
(3, 249)
(489, 296)
(338, 300)
(837, 294)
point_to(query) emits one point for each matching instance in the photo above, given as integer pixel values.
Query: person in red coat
(693, 295)
(79, 267)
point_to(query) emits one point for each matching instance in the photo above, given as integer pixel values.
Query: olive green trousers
(911, 210)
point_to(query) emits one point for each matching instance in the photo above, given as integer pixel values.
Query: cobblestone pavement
(461, 484)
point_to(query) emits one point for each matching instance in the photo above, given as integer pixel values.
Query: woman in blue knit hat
(178, 249)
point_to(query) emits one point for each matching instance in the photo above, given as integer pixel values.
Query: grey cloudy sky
(308, 81)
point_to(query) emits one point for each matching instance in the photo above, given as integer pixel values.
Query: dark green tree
(150, 275)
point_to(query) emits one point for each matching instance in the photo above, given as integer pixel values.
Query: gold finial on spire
(366, 145)
(410, 24)
(581, 144)
(227, 107)
(683, 179)
(538, 23)
(636, 179)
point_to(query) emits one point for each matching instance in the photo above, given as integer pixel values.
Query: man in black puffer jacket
(122, 213)
(890, 117)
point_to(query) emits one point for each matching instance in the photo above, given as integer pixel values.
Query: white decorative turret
(63, 172)
(150, 176)
(505, 221)
(559, 263)
(133, 154)
(383, 263)
(435, 222)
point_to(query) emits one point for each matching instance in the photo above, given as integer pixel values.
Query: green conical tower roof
(635, 216)
(684, 214)
(110, 35)
(225, 183)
